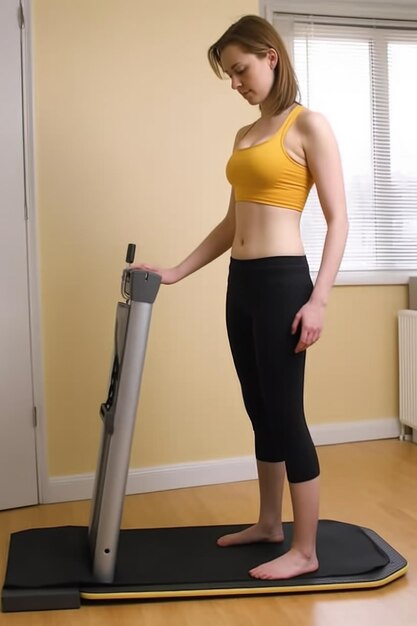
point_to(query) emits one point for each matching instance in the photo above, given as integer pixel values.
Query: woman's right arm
(214, 245)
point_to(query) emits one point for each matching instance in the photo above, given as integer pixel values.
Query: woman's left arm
(323, 160)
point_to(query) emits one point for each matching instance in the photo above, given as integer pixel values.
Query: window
(359, 74)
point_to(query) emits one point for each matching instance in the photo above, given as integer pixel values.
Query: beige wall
(132, 134)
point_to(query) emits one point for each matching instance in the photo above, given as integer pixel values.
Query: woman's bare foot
(253, 534)
(289, 565)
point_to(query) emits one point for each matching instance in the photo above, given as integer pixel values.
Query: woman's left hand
(311, 316)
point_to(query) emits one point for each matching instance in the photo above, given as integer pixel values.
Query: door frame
(33, 253)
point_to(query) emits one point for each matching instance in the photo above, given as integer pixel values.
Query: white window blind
(360, 75)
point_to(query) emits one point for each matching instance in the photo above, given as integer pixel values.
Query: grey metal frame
(133, 317)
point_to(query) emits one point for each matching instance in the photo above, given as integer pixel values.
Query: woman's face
(250, 75)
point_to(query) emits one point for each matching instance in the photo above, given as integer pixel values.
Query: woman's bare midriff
(264, 231)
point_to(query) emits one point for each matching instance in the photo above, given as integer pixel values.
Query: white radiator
(407, 335)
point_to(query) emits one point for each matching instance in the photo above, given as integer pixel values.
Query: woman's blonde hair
(256, 35)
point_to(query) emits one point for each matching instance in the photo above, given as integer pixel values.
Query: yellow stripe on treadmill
(201, 593)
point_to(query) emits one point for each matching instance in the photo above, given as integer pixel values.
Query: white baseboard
(349, 432)
(162, 478)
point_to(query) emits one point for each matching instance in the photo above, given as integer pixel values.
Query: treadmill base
(49, 568)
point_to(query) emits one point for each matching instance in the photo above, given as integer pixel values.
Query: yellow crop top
(266, 174)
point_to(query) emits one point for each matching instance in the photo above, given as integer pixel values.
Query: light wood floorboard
(372, 484)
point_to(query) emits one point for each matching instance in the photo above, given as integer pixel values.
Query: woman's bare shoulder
(242, 132)
(312, 123)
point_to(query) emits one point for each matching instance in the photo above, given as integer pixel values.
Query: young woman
(273, 311)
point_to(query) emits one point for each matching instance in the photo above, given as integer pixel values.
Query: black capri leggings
(263, 296)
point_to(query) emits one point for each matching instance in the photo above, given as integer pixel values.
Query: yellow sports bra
(265, 173)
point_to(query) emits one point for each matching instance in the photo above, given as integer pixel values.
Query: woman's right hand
(169, 275)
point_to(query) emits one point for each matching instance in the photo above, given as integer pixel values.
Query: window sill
(372, 278)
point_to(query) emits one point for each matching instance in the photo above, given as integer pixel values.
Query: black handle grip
(130, 254)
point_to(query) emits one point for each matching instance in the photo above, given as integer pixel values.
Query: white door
(18, 481)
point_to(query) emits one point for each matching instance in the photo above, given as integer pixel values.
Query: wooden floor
(372, 484)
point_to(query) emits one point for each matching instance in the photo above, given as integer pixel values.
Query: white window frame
(382, 9)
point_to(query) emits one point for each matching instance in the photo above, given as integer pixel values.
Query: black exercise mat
(59, 557)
